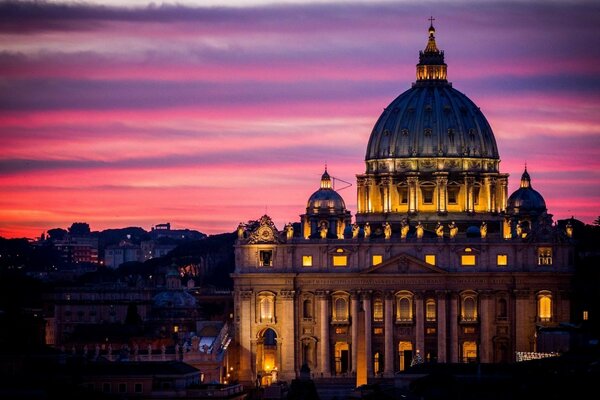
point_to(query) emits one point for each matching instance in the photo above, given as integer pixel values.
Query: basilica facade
(439, 265)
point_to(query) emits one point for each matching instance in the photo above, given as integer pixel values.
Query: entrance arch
(267, 357)
(405, 350)
(342, 358)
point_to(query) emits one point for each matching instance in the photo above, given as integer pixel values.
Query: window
(378, 331)
(341, 330)
(378, 310)
(476, 194)
(453, 194)
(502, 260)
(404, 308)
(430, 311)
(545, 306)
(585, 315)
(377, 259)
(427, 193)
(307, 261)
(340, 261)
(545, 256)
(468, 260)
(403, 192)
(430, 259)
(430, 331)
(266, 309)
(340, 310)
(377, 363)
(307, 309)
(265, 258)
(122, 388)
(469, 308)
(502, 309)
(138, 388)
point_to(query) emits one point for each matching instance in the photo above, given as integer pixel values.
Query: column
(454, 328)
(286, 341)
(354, 314)
(441, 180)
(488, 193)
(486, 315)
(523, 315)
(246, 368)
(441, 326)
(368, 333)
(493, 197)
(419, 324)
(324, 337)
(385, 193)
(469, 182)
(503, 192)
(388, 366)
(360, 195)
(413, 182)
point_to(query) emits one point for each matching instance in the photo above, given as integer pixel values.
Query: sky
(205, 114)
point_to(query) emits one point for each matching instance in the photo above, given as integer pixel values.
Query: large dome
(432, 119)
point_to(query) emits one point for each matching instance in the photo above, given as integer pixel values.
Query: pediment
(404, 264)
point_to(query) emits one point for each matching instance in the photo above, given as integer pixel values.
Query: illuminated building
(441, 264)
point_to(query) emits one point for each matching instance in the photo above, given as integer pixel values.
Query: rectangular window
(378, 331)
(453, 195)
(430, 259)
(476, 195)
(469, 329)
(585, 315)
(307, 261)
(138, 388)
(467, 260)
(266, 258)
(545, 256)
(427, 193)
(430, 331)
(340, 261)
(377, 259)
(122, 388)
(502, 260)
(403, 195)
(341, 330)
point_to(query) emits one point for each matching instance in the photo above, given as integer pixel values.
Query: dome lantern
(431, 66)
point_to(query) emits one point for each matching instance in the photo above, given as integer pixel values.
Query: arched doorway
(405, 350)
(342, 358)
(267, 357)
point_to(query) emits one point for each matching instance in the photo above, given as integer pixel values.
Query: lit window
(377, 259)
(175, 328)
(545, 256)
(265, 258)
(467, 260)
(430, 259)
(545, 306)
(340, 310)
(469, 309)
(378, 310)
(341, 330)
(266, 309)
(430, 312)
(585, 315)
(502, 260)
(404, 308)
(377, 363)
(340, 261)
(430, 331)
(378, 331)
(307, 261)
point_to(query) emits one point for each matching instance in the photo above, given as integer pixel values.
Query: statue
(289, 231)
(420, 230)
(355, 230)
(387, 230)
(453, 230)
(404, 229)
(323, 230)
(483, 230)
(367, 230)
(569, 229)
(240, 231)
(439, 230)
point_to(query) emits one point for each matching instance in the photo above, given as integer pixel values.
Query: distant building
(165, 231)
(125, 251)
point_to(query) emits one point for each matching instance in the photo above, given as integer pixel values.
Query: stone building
(441, 265)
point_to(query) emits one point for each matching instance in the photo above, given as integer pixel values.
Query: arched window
(377, 363)
(545, 306)
(502, 309)
(404, 307)
(340, 309)
(377, 310)
(307, 309)
(469, 352)
(430, 311)
(266, 309)
(469, 308)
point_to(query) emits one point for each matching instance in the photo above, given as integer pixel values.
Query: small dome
(174, 299)
(325, 198)
(526, 200)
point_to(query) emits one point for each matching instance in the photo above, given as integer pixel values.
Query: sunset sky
(208, 113)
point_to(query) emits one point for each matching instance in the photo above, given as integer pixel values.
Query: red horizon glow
(207, 117)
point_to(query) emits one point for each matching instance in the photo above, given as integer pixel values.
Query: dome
(325, 198)
(174, 299)
(525, 200)
(431, 119)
